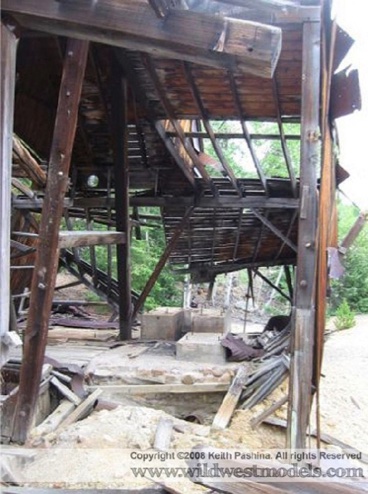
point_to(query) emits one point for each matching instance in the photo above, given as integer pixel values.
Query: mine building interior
(114, 106)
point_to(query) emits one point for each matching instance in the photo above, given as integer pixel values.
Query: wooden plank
(81, 409)
(44, 275)
(28, 163)
(141, 389)
(301, 368)
(52, 422)
(119, 120)
(266, 413)
(7, 87)
(65, 391)
(231, 399)
(196, 37)
(62, 333)
(68, 239)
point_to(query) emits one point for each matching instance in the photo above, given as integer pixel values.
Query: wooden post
(7, 77)
(121, 169)
(301, 368)
(46, 264)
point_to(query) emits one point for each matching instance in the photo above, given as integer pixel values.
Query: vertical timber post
(121, 168)
(301, 367)
(8, 60)
(46, 264)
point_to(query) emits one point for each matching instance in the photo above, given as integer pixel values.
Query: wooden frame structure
(120, 103)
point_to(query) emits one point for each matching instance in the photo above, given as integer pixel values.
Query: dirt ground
(344, 385)
(91, 452)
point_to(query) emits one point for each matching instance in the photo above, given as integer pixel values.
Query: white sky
(352, 15)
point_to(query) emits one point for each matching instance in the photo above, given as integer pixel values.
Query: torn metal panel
(345, 93)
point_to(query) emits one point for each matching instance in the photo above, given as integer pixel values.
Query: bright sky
(353, 130)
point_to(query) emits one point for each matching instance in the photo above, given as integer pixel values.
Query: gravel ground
(344, 387)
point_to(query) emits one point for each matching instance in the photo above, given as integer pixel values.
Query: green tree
(353, 285)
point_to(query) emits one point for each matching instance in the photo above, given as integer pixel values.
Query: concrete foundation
(210, 321)
(201, 347)
(163, 323)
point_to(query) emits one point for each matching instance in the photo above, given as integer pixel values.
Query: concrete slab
(210, 321)
(201, 347)
(163, 323)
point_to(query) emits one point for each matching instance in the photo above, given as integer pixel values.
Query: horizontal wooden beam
(192, 36)
(209, 270)
(86, 238)
(187, 201)
(176, 388)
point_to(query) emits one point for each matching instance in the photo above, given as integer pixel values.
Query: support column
(301, 368)
(7, 77)
(121, 169)
(46, 264)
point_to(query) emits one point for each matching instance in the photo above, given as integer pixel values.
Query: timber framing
(217, 42)
(181, 106)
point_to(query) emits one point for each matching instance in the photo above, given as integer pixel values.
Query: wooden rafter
(203, 113)
(176, 125)
(284, 145)
(156, 124)
(186, 35)
(245, 131)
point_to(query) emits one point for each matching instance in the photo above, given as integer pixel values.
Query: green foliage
(270, 151)
(353, 285)
(345, 317)
(167, 290)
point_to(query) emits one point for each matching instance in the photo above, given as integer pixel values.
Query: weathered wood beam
(246, 135)
(7, 88)
(162, 261)
(238, 135)
(226, 410)
(284, 146)
(46, 264)
(28, 163)
(207, 125)
(274, 230)
(88, 238)
(176, 124)
(293, 218)
(155, 124)
(195, 37)
(353, 233)
(230, 267)
(121, 170)
(202, 202)
(272, 285)
(301, 368)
